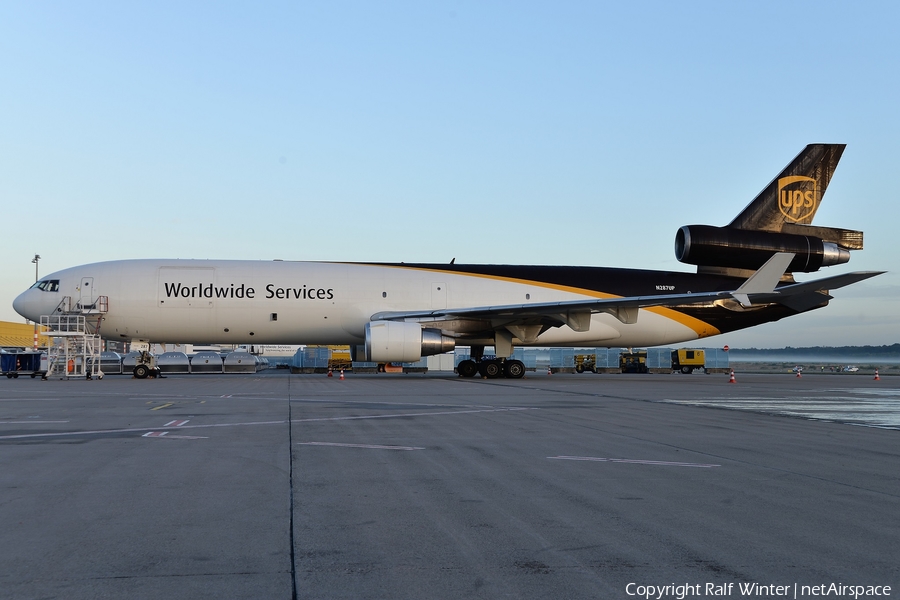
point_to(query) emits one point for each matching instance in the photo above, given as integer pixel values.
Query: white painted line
(129, 430)
(634, 461)
(164, 435)
(25, 422)
(368, 446)
(176, 423)
(249, 423)
(419, 414)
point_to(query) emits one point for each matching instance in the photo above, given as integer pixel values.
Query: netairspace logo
(685, 590)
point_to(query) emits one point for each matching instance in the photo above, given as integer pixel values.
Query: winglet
(765, 279)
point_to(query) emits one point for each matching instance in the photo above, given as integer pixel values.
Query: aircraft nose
(24, 304)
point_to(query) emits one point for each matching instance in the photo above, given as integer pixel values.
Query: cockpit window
(47, 285)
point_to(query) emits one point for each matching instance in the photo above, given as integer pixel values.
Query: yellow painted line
(166, 405)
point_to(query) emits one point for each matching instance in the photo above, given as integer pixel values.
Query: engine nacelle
(397, 341)
(742, 249)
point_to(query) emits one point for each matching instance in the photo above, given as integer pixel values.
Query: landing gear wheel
(514, 369)
(492, 369)
(141, 371)
(467, 368)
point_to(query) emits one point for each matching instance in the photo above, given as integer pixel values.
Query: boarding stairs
(74, 328)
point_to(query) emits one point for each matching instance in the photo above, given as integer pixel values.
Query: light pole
(35, 260)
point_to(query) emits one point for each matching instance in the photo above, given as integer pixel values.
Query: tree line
(823, 351)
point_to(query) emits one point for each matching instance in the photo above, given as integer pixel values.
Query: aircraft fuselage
(282, 302)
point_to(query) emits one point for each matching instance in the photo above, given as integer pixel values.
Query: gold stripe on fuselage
(701, 328)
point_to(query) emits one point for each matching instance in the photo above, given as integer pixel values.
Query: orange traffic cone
(329, 372)
(877, 378)
(342, 374)
(549, 371)
(799, 374)
(731, 379)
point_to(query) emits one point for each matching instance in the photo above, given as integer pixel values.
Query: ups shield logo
(798, 197)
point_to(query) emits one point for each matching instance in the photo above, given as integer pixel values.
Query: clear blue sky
(497, 132)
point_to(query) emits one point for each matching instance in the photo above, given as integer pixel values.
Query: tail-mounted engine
(744, 249)
(397, 341)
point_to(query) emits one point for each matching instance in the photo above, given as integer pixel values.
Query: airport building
(20, 336)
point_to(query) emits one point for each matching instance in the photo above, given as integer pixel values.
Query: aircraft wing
(620, 307)
(758, 289)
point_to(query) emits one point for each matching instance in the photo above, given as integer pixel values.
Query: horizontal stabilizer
(806, 301)
(828, 283)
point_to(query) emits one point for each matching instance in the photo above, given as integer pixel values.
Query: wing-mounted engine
(399, 341)
(729, 247)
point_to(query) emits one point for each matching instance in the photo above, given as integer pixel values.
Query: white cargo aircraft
(402, 311)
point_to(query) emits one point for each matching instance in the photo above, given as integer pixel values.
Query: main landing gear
(144, 371)
(492, 368)
(146, 366)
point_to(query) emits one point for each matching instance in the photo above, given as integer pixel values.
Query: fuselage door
(438, 295)
(86, 292)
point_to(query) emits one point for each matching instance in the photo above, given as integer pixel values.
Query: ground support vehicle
(686, 360)
(633, 362)
(585, 362)
(339, 358)
(13, 364)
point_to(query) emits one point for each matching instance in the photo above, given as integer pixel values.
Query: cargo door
(187, 296)
(438, 295)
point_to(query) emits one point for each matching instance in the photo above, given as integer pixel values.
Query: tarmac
(277, 486)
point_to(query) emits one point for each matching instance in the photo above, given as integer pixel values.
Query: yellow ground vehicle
(340, 358)
(585, 362)
(633, 362)
(687, 359)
